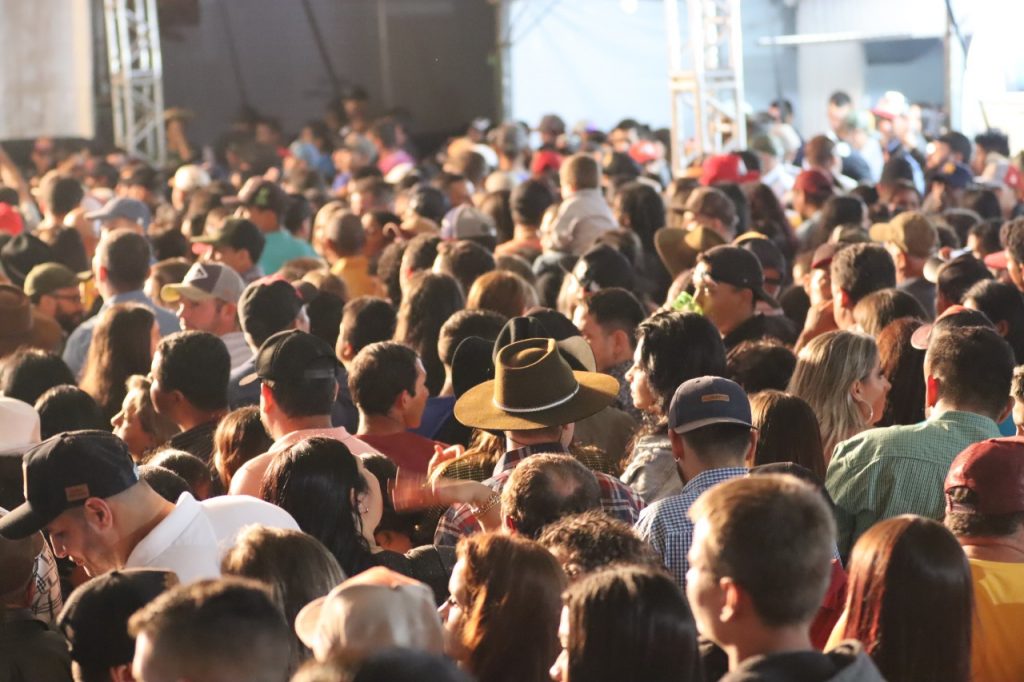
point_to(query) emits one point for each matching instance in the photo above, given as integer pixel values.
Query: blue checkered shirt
(666, 524)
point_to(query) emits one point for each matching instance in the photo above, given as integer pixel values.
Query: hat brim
(676, 255)
(209, 239)
(21, 522)
(307, 620)
(921, 336)
(172, 293)
(883, 232)
(476, 407)
(996, 261)
(761, 295)
(98, 215)
(701, 423)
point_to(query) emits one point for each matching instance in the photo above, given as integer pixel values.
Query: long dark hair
(910, 601)
(514, 590)
(431, 300)
(903, 366)
(768, 217)
(316, 481)
(1001, 302)
(787, 431)
(644, 209)
(630, 624)
(122, 345)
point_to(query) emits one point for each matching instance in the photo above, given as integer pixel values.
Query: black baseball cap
(740, 268)
(294, 356)
(63, 472)
(708, 400)
(95, 617)
(260, 193)
(267, 306)
(237, 233)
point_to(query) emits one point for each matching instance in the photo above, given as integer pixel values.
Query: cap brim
(171, 293)
(701, 423)
(761, 295)
(476, 407)
(249, 379)
(996, 261)
(97, 215)
(22, 522)
(921, 336)
(931, 269)
(307, 620)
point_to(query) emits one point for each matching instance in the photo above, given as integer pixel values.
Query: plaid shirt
(896, 470)
(458, 522)
(666, 524)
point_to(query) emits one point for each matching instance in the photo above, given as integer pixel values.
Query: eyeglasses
(75, 298)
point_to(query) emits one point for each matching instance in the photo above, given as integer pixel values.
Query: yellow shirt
(996, 651)
(355, 272)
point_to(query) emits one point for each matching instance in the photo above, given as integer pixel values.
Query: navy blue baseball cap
(708, 400)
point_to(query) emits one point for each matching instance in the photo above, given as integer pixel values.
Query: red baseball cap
(814, 182)
(726, 168)
(994, 471)
(10, 220)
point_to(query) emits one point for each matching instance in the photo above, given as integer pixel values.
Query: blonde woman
(840, 376)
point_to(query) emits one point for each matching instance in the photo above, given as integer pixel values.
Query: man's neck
(291, 424)
(1008, 549)
(943, 405)
(524, 233)
(140, 522)
(764, 642)
(191, 417)
(730, 326)
(379, 424)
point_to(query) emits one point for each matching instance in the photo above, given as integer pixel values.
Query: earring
(871, 410)
(363, 509)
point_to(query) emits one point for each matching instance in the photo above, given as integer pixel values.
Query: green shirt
(896, 470)
(281, 247)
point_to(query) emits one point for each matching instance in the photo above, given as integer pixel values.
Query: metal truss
(705, 78)
(136, 77)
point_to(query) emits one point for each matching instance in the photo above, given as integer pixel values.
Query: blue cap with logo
(708, 400)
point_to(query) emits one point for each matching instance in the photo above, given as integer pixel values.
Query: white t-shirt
(192, 539)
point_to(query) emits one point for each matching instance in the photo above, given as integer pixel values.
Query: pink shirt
(249, 477)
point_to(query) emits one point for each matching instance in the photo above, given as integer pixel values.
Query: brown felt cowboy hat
(534, 388)
(679, 248)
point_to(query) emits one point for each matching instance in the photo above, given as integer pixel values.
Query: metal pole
(384, 44)
(503, 57)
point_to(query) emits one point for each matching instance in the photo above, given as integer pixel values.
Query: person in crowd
(909, 601)
(119, 269)
(1011, 234)
(529, 201)
(856, 271)
(711, 433)
(1003, 305)
(122, 345)
(29, 372)
(263, 203)
(811, 190)
(430, 301)
(502, 291)
(239, 437)
(658, 369)
(953, 278)
(123, 213)
(535, 399)
(165, 271)
(503, 584)
(377, 610)
(876, 310)
(760, 564)
(839, 374)
(903, 366)
(296, 567)
(68, 408)
(985, 511)
(588, 542)
(627, 623)
(94, 621)
(710, 208)
(23, 327)
(389, 386)
(729, 284)
(194, 471)
(544, 489)
(207, 301)
(896, 470)
(608, 320)
(584, 213)
(911, 239)
(364, 320)
(464, 259)
(138, 423)
(211, 630)
(113, 520)
(760, 365)
(344, 248)
(787, 431)
(238, 244)
(54, 291)
(298, 372)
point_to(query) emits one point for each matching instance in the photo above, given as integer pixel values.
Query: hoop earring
(871, 410)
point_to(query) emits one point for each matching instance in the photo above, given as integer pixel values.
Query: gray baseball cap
(123, 207)
(204, 281)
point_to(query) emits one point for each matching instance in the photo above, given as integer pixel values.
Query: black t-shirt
(760, 326)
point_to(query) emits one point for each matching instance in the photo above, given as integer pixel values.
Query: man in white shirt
(584, 214)
(208, 302)
(83, 489)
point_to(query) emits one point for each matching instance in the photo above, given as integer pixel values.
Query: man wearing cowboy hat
(535, 399)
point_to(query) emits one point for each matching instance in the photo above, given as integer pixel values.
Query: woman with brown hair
(903, 365)
(239, 437)
(501, 621)
(909, 600)
(123, 344)
(137, 423)
(787, 431)
(502, 291)
(426, 306)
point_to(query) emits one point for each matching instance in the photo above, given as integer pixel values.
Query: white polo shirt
(192, 539)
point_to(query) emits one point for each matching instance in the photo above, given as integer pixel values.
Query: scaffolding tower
(705, 78)
(136, 78)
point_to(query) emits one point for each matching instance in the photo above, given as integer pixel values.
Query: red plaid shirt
(617, 498)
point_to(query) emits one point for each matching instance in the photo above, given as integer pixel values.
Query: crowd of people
(329, 409)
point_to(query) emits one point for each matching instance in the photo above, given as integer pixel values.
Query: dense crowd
(327, 408)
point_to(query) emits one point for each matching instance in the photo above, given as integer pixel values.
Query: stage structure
(136, 77)
(705, 78)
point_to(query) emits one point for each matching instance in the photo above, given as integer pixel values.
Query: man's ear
(678, 446)
(931, 391)
(845, 299)
(734, 600)
(347, 352)
(122, 673)
(1007, 411)
(98, 513)
(509, 524)
(751, 449)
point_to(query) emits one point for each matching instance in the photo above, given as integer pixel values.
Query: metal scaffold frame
(705, 78)
(136, 77)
